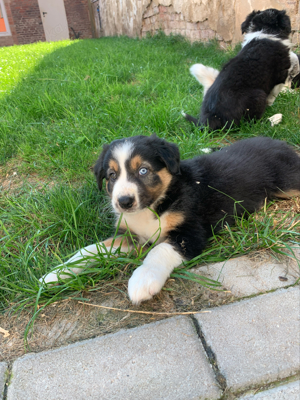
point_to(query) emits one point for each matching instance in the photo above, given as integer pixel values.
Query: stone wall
(198, 20)
(167, 19)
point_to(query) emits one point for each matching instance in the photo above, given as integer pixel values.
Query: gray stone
(3, 368)
(255, 341)
(291, 391)
(163, 360)
(245, 276)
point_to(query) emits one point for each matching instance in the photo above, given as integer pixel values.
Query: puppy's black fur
(190, 200)
(271, 22)
(211, 189)
(243, 85)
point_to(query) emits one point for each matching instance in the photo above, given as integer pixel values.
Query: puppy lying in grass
(178, 204)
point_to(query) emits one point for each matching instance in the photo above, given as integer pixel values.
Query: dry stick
(4, 332)
(145, 312)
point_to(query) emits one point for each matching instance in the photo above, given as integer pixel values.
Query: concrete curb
(291, 391)
(233, 348)
(255, 341)
(3, 369)
(246, 276)
(163, 360)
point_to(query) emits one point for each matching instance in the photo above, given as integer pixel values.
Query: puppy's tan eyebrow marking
(136, 162)
(160, 189)
(113, 165)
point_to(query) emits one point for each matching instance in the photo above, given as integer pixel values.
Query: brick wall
(28, 22)
(78, 18)
(9, 40)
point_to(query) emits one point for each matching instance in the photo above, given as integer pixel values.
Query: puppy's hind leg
(274, 93)
(288, 173)
(255, 104)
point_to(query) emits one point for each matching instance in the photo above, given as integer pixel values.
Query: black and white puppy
(251, 80)
(190, 198)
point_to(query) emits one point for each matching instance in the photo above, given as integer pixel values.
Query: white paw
(145, 283)
(275, 119)
(49, 279)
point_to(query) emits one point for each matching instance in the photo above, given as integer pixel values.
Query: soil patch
(12, 180)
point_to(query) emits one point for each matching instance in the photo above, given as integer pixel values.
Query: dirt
(69, 321)
(12, 180)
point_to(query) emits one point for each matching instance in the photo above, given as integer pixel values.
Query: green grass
(60, 102)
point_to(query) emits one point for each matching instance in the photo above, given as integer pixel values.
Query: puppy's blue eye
(143, 171)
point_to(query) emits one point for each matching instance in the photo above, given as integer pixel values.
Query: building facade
(29, 21)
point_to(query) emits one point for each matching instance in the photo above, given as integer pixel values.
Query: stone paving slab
(163, 360)
(245, 276)
(3, 367)
(291, 391)
(255, 341)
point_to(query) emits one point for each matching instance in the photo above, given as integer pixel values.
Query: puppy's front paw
(145, 283)
(49, 279)
(59, 273)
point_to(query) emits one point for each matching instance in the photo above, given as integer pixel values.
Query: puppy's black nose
(126, 202)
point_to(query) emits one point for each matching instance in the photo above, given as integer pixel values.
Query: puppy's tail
(194, 120)
(204, 75)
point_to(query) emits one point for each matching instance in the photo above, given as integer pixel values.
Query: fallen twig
(4, 332)
(146, 312)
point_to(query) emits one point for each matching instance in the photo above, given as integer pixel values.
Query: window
(4, 26)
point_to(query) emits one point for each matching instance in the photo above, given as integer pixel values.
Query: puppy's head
(137, 171)
(271, 21)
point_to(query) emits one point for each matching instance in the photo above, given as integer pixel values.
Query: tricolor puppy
(191, 198)
(251, 80)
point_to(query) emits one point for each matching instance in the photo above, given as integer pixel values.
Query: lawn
(60, 102)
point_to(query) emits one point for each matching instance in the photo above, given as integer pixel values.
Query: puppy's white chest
(145, 225)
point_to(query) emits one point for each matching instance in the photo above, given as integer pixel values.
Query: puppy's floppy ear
(99, 170)
(245, 25)
(283, 22)
(169, 154)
